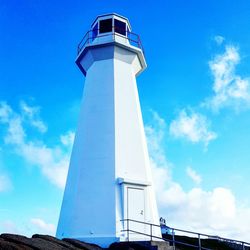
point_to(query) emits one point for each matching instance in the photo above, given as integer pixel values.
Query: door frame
(144, 198)
(135, 184)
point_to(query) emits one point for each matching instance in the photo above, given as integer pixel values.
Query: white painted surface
(136, 204)
(136, 211)
(110, 148)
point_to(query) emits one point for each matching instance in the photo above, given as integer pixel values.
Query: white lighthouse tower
(109, 185)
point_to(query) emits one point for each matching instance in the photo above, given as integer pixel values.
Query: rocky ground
(46, 242)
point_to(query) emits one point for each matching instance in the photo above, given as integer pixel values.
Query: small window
(120, 27)
(106, 25)
(95, 31)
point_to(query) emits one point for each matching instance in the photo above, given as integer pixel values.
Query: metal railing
(91, 35)
(174, 234)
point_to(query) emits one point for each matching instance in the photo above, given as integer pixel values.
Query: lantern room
(108, 30)
(110, 23)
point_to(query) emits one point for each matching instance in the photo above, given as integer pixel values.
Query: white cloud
(196, 178)
(215, 212)
(32, 114)
(52, 161)
(161, 167)
(193, 127)
(68, 139)
(15, 133)
(155, 133)
(27, 227)
(201, 210)
(5, 183)
(5, 112)
(229, 88)
(42, 227)
(219, 39)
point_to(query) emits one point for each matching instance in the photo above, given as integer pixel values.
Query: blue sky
(195, 100)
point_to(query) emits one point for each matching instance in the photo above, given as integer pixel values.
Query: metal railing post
(243, 247)
(199, 239)
(173, 239)
(151, 232)
(128, 228)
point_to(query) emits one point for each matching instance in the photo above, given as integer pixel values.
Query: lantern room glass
(105, 25)
(120, 27)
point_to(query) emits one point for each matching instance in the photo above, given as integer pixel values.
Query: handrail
(160, 238)
(90, 36)
(173, 230)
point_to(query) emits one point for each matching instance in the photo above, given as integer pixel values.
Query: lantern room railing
(91, 35)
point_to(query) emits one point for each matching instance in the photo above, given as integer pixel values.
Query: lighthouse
(109, 194)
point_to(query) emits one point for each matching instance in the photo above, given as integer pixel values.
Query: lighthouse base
(104, 242)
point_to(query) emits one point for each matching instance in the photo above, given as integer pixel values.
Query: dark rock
(5, 245)
(55, 241)
(82, 245)
(42, 242)
(36, 244)
(17, 240)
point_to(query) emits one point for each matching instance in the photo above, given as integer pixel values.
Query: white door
(136, 210)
